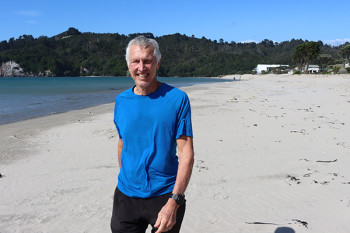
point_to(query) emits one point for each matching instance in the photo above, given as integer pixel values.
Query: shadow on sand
(284, 230)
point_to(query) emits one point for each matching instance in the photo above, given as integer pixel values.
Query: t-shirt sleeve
(116, 116)
(184, 123)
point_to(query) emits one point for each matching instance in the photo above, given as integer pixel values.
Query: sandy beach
(272, 155)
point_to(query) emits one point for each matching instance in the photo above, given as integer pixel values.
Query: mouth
(142, 75)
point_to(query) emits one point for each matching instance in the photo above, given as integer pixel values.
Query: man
(152, 118)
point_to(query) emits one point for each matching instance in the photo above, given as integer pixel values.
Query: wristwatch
(180, 199)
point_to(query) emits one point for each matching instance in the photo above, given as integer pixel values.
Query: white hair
(144, 43)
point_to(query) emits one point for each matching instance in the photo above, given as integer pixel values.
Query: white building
(266, 68)
(313, 69)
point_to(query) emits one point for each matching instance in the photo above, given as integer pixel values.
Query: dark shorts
(133, 215)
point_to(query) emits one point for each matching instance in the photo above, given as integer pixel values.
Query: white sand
(269, 149)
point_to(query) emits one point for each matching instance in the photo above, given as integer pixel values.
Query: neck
(147, 90)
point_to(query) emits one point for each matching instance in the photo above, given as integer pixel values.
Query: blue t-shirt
(149, 126)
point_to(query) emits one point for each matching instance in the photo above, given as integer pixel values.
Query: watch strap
(180, 199)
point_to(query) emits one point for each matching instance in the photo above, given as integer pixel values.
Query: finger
(170, 224)
(157, 223)
(161, 229)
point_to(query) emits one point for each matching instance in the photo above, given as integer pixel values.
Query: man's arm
(120, 148)
(186, 160)
(167, 216)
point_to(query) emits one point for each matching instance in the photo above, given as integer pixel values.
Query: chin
(143, 83)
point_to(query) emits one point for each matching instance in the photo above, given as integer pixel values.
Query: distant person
(152, 118)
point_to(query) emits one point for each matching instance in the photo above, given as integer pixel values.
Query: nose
(141, 66)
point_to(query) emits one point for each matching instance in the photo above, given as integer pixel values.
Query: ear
(158, 65)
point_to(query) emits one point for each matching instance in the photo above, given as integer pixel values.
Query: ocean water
(30, 97)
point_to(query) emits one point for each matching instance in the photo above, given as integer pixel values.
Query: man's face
(143, 66)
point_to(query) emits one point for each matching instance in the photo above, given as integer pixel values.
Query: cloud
(336, 42)
(249, 41)
(255, 41)
(28, 13)
(31, 22)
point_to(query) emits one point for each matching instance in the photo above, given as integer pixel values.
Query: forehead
(139, 51)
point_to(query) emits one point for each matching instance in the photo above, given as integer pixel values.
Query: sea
(24, 98)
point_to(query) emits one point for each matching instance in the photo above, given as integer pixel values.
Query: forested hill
(73, 53)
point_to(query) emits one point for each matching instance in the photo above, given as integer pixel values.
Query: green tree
(306, 53)
(324, 60)
(345, 53)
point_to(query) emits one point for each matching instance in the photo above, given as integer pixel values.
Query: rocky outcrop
(46, 73)
(11, 69)
(71, 32)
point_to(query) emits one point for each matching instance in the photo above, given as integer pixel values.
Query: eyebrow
(143, 59)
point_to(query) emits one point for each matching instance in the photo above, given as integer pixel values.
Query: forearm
(167, 215)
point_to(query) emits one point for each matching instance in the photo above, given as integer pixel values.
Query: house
(261, 68)
(313, 69)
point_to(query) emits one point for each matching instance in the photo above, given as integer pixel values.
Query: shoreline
(271, 151)
(44, 97)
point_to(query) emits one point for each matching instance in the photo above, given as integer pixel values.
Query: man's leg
(126, 215)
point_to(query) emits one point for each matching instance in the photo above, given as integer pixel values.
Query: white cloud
(249, 41)
(31, 22)
(254, 41)
(28, 13)
(336, 42)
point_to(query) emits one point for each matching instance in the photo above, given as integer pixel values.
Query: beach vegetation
(73, 53)
(336, 69)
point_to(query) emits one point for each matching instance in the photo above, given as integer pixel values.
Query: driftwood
(323, 161)
(305, 224)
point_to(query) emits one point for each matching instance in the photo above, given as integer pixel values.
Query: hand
(167, 216)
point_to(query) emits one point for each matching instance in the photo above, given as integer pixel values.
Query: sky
(230, 20)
